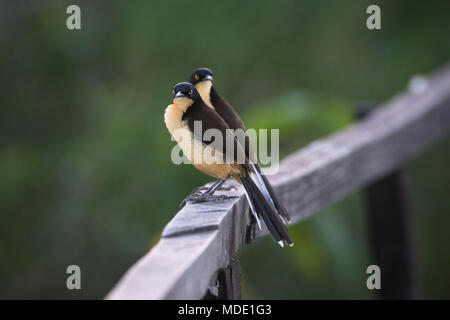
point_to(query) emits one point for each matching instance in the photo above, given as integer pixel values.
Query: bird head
(185, 93)
(200, 75)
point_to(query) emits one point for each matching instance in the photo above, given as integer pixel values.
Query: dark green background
(85, 170)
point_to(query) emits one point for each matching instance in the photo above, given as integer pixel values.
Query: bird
(180, 117)
(203, 80)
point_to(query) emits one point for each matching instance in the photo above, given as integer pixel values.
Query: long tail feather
(253, 210)
(246, 181)
(273, 222)
(270, 193)
(259, 179)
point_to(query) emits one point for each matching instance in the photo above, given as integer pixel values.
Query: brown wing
(209, 118)
(226, 111)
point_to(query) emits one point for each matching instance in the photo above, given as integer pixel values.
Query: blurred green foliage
(85, 170)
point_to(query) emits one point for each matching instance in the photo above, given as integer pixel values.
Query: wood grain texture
(202, 238)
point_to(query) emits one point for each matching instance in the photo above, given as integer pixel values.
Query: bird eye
(190, 92)
(197, 77)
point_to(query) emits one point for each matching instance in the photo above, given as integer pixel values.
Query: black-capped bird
(180, 118)
(203, 80)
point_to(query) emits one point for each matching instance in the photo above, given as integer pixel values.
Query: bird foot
(196, 192)
(210, 198)
(195, 198)
(223, 188)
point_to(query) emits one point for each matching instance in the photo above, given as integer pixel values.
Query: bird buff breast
(204, 89)
(204, 157)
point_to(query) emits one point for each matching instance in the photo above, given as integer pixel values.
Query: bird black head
(185, 90)
(201, 74)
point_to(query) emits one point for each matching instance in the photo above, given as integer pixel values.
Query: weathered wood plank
(202, 238)
(181, 265)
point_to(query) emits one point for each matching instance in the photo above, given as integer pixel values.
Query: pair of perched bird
(198, 100)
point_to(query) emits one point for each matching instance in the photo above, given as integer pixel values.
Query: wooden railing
(195, 257)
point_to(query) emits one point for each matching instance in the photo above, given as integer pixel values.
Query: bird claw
(210, 198)
(195, 192)
(195, 198)
(185, 200)
(223, 188)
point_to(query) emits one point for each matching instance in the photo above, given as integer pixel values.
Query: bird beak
(179, 94)
(208, 77)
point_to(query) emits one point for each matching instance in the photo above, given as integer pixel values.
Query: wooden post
(389, 218)
(390, 229)
(228, 285)
(230, 282)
